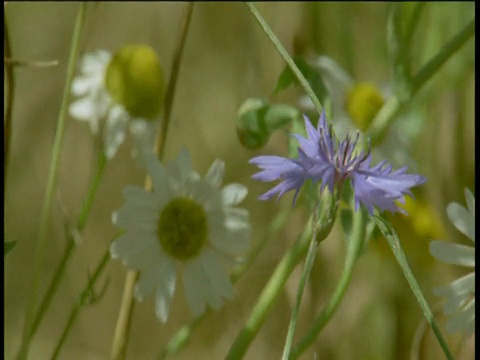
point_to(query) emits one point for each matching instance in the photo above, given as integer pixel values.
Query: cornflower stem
(82, 301)
(69, 250)
(288, 59)
(321, 230)
(354, 247)
(392, 238)
(180, 339)
(269, 294)
(120, 339)
(427, 71)
(7, 121)
(52, 181)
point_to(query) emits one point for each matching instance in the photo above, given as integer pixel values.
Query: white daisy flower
(185, 227)
(106, 108)
(460, 293)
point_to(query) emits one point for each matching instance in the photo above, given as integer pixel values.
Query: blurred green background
(227, 59)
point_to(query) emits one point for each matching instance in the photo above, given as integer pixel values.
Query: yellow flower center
(182, 228)
(363, 102)
(134, 78)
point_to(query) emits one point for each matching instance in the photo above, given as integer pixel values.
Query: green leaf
(8, 246)
(287, 78)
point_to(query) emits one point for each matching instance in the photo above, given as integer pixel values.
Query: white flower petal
(470, 202)
(143, 132)
(461, 219)
(233, 194)
(194, 290)
(134, 251)
(229, 242)
(214, 175)
(166, 289)
(451, 253)
(461, 286)
(81, 85)
(157, 173)
(216, 273)
(236, 219)
(83, 109)
(115, 130)
(147, 281)
(462, 320)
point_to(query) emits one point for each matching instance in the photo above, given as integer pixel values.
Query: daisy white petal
(185, 224)
(460, 294)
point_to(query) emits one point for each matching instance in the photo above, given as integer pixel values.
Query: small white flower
(185, 227)
(460, 293)
(105, 116)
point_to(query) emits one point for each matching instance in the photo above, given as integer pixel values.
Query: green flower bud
(134, 78)
(252, 130)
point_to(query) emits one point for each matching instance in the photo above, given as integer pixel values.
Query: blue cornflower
(321, 157)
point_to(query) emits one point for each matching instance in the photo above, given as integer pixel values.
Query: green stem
(379, 126)
(122, 328)
(172, 83)
(311, 255)
(270, 293)
(82, 301)
(412, 25)
(180, 339)
(80, 224)
(448, 50)
(281, 50)
(355, 244)
(324, 215)
(7, 122)
(392, 238)
(52, 181)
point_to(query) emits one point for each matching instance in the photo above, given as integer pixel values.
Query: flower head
(460, 293)
(321, 157)
(111, 104)
(186, 227)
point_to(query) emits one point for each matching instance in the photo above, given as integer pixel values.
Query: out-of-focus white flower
(114, 91)
(186, 227)
(354, 106)
(460, 293)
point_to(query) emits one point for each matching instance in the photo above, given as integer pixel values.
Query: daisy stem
(7, 121)
(355, 243)
(269, 294)
(122, 329)
(172, 83)
(320, 232)
(51, 185)
(183, 335)
(288, 59)
(80, 224)
(432, 67)
(392, 238)
(82, 301)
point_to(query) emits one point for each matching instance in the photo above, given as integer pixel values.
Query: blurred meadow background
(227, 59)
